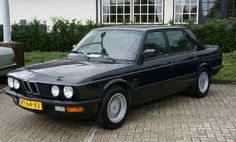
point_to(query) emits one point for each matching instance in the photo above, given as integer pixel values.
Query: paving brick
(170, 119)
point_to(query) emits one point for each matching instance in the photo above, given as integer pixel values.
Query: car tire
(201, 84)
(114, 108)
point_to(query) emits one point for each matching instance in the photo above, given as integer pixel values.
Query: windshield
(117, 44)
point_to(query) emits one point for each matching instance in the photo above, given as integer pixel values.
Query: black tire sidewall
(197, 92)
(104, 119)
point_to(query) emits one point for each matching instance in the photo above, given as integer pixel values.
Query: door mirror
(74, 46)
(148, 53)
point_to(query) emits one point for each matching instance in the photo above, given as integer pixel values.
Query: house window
(211, 8)
(148, 11)
(231, 8)
(116, 11)
(132, 11)
(185, 10)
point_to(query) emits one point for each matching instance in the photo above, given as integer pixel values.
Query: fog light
(60, 108)
(10, 82)
(75, 109)
(16, 84)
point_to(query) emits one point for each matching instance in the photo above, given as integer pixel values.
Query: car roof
(140, 27)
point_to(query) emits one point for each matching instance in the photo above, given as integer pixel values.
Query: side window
(179, 41)
(156, 40)
(190, 44)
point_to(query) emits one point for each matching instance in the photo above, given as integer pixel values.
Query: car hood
(67, 71)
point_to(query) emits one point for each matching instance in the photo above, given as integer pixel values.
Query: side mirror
(74, 46)
(103, 34)
(148, 53)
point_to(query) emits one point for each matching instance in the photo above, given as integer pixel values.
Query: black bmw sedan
(114, 68)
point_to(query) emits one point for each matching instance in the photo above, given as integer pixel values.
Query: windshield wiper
(90, 44)
(78, 52)
(103, 55)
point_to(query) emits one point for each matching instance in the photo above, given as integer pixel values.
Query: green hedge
(62, 37)
(65, 33)
(222, 33)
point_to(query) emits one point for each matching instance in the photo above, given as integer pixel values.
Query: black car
(114, 68)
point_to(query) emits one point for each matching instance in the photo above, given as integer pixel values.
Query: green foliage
(190, 22)
(65, 33)
(39, 57)
(171, 22)
(33, 35)
(222, 33)
(228, 72)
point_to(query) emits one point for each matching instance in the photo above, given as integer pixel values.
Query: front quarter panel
(95, 86)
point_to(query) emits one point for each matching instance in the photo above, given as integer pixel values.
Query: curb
(223, 82)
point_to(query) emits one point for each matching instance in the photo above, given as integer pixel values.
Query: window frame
(147, 14)
(182, 13)
(230, 11)
(131, 14)
(209, 9)
(139, 48)
(185, 35)
(109, 14)
(143, 44)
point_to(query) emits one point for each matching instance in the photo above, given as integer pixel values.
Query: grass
(226, 73)
(39, 57)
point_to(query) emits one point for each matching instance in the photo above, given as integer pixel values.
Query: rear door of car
(182, 55)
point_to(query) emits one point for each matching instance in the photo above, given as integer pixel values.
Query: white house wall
(45, 9)
(168, 10)
(68, 9)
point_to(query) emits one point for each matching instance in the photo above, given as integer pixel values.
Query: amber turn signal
(75, 109)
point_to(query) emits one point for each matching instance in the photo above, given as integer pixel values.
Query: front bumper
(90, 106)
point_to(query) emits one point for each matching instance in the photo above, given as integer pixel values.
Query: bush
(222, 33)
(34, 35)
(66, 33)
(62, 37)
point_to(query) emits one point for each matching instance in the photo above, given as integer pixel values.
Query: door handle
(171, 63)
(194, 56)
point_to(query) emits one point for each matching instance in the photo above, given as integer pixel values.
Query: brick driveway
(174, 118)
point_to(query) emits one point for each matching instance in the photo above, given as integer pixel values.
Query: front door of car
(183, 58)
(154, 72)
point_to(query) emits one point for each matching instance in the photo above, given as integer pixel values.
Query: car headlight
(16, 84)
(55, 90)
(10, 82)
(68, 92)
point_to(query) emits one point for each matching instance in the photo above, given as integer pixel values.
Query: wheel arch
(204, 65)
(121, 83)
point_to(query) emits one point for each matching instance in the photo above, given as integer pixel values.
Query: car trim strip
(167, 80)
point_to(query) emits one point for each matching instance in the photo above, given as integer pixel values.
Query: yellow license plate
(30, 104)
